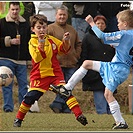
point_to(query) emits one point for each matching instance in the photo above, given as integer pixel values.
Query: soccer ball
(6, 76)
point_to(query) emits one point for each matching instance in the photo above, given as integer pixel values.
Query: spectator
(47, 8)
(94, 49)
(79, 11)
(68, 62)
(109, 10)
(46, 69)
(14, 52)
(29, 10)
(4, 6)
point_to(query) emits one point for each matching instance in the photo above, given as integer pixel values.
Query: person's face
(101, 24)
(61, 17)
(14, 11)
(40, 29)
(122, 25)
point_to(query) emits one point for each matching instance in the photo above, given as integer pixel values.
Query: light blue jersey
(116, 71)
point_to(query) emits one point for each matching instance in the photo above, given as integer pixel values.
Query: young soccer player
(113, 73)
(46, 70)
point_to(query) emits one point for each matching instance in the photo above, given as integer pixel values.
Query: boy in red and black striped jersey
(46, 70)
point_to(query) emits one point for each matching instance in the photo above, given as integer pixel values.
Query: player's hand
(89, 20)
(41, 41)
(66, 36)
(41, 45)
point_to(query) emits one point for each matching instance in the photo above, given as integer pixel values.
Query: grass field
(61, 122)
(47, 121)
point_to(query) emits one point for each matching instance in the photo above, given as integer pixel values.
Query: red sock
(74, 106)
(23, 109)
(76, 110)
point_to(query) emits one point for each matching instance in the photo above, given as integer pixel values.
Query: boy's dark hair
(38, 18)
(14, 3)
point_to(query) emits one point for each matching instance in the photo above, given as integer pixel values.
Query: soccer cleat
(82, 119)
(120, 126)
(17, 123)
(61, 90)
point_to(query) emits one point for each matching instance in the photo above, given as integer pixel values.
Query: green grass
(47, 122)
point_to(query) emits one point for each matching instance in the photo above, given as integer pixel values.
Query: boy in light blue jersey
(113, 73)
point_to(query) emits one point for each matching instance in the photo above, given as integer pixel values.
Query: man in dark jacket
(14, 37)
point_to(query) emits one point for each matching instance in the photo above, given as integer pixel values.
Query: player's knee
(32, 96)
(108, 95)
(86, 64)
(29, 100)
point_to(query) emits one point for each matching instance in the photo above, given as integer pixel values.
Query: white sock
(76, 77)
(115, 111)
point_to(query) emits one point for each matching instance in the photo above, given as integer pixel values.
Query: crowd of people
(62, 54)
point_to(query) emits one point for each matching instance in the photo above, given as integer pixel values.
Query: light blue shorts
(113, 74)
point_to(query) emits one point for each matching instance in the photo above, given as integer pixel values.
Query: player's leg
(29, 99)
(65, 90)
(115, 111)
(100, 102)
(59, 105)
(69, 99)
(113, 75)
(76, 77)
(73, 105)
(35, 91)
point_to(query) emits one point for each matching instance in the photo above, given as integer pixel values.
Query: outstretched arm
(96, 30)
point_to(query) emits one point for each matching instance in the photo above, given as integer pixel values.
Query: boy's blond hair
(126, 15)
